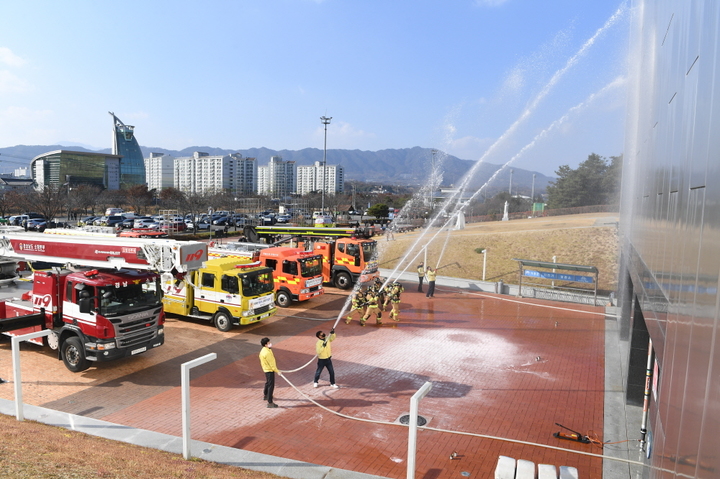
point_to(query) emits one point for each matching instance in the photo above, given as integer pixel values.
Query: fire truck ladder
(161, 255)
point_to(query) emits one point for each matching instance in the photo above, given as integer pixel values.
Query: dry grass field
(33, 450)
(589, 239)
(37, 451)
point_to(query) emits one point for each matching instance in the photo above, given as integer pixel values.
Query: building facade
(670, 233)
(132, 164)
(311, 178)
(277, 179)
(160, 171)
(59, 167)
(206, 174)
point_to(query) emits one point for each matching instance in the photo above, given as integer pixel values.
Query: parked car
(128, 223)
(173, 225)
(36, 224)
(88, 220)
(203, 225)
(283, 219)
(145, 223)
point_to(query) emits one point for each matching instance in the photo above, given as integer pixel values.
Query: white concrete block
(525, 469)
(547, 471)
(567, 472)
(505, 468)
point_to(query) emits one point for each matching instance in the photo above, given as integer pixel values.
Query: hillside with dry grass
(589, 239)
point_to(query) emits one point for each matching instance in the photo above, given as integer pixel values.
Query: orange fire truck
(297, 274)
(102, 301)
(348, 253)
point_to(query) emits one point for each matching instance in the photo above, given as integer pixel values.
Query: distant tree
(594, 182)
(173, 199)
(139, 198)
(612, 179)
(51, 201)
(378, 210)
(85, 197)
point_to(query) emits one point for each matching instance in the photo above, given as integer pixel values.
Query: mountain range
(405, 167)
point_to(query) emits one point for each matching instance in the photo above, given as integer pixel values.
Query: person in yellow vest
(267, 362)
(373, 307)
(324, 354)
(421, 276)
(357, 303)
(431, 274)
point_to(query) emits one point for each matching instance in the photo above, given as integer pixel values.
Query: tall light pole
(532, 197)
(510, 190)
(325, 121)
(432, 181)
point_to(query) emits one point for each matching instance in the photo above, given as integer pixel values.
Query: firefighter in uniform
(377, 287)
(394, 297)
(373, 307)
(357, 303)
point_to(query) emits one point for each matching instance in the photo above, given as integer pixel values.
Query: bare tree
(51, 201)
(84, 197)
(139, 197)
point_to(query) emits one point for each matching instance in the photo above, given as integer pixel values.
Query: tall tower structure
(132, 164)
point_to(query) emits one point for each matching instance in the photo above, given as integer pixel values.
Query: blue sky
(455, 75)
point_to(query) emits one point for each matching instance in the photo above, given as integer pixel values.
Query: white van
(113, 211)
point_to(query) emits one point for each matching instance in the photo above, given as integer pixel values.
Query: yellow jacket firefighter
(267, 360)
(322, 347)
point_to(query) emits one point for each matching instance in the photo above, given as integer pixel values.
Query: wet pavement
(500, 366)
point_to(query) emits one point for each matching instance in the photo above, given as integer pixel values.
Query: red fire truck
(102, 301)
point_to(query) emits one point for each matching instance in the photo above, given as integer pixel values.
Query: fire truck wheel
(223, 321)
(343, 281)
(283, 299)
(73, 355)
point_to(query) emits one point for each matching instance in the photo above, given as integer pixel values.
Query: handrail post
(185, 386)
(412, 433)
(16, 340)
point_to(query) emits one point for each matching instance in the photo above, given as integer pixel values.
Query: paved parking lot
(499, 367)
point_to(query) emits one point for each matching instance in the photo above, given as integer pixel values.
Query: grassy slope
(580, 239)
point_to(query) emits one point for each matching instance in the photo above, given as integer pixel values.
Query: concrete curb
(164, 442)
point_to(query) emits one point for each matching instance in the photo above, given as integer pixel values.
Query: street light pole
(325, 121)
(432, 182)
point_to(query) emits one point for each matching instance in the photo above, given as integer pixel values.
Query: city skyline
(455, 76)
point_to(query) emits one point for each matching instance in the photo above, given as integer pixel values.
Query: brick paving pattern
(502, 368)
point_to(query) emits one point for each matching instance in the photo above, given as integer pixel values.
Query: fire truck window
(290, 267)
(341, 247)
(87, 292)
(69, 290)
(352, 250)
(208, 280)
(230, 284)
(271, 263)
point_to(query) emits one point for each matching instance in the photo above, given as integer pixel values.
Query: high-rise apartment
(160, 171)
(203, 173)
(311, 178)
(277, 179)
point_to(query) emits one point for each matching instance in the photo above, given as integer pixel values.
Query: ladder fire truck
(297, 274)
(348, 253)
(104, 299)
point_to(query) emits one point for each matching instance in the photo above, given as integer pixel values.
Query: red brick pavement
(502, 368)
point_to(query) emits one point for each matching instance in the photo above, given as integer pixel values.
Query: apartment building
(311, 178)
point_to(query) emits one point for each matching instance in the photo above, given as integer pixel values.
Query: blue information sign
(559, 276)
